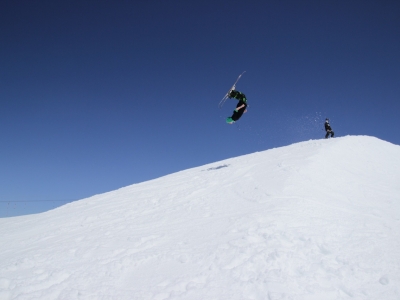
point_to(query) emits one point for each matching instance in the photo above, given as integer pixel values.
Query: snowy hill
(314, 220)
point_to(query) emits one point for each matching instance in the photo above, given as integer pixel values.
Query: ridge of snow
(313, 220)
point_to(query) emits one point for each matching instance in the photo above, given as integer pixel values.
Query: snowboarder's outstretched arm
(240, 107)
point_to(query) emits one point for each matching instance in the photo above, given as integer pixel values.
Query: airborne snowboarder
(328, 129)
(240, 107)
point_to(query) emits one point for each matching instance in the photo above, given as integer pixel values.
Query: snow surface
(314, 220)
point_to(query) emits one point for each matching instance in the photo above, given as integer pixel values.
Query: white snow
(314, 220)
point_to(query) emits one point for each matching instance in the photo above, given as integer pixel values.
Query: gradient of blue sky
(97, 95)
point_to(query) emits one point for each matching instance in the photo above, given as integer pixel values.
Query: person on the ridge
(240, 107)
(328, 129)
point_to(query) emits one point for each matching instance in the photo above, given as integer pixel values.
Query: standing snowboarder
(328, 129)
(240, 107)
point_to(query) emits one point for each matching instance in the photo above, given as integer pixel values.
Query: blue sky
(97, 95)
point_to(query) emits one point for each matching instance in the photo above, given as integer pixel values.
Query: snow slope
(314, 220)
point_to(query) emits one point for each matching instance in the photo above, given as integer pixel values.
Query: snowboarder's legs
(329, 132)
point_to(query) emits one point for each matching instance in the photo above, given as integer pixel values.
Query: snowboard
(221, 103)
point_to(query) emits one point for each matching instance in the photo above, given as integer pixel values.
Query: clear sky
(97, 95)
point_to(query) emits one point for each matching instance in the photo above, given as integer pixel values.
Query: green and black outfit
(237, 113)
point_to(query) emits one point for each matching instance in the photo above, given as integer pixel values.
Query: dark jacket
(242, 100)
(327, 126)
